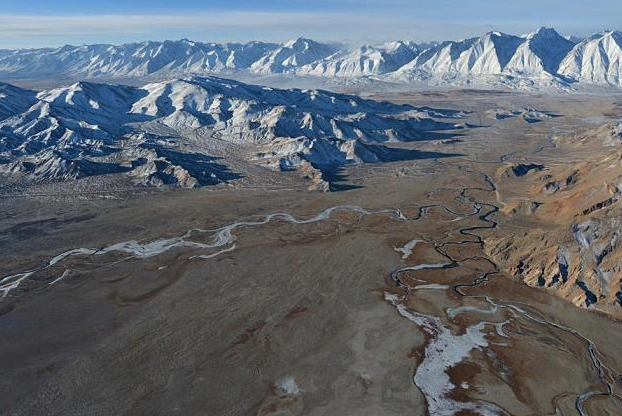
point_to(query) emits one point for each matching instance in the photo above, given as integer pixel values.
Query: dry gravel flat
(396, 309)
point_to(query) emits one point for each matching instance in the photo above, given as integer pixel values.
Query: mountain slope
(14, 100)
(569, 242)
(366, 60)
(488, 54)
(134, 59)
(596, 60)
(158, 133)
(540, 53)
(291, 56)
(540, 59)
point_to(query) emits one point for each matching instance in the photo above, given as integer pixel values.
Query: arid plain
(430, 286)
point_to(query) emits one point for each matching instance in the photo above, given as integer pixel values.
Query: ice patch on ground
(288, 387)
(444, 351)
(407, 250)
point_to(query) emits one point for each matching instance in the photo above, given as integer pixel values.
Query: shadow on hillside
(393, 154)
(336, 176)
(429, 136)
(205, 169)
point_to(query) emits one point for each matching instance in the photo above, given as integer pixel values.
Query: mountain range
(166, 132)
(541, 58)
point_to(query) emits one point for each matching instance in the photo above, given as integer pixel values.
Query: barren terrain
(416, 290)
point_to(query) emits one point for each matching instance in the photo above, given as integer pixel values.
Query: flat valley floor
(382, 299)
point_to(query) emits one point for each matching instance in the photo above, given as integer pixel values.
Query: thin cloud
(52, 30)
(327, 25)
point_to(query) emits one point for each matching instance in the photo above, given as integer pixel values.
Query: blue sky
(34, 23)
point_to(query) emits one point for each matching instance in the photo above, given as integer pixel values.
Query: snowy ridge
(541, 58)
(540, 54)
(145, 132)
(595, 60)
(133, 59)
(366, 60)
(493, 59)
(291, 56)
(14, 100)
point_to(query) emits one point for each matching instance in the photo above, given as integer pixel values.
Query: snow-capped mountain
(291, 56)
(134, 59)
(493, 58)
(90, 129)
(14, 100)
(597, 59)
(366, 60)
(541, 58)
(540, 53)
(488, 54)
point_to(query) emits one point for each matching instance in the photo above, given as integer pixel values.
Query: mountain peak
(614, 33)
(544, 32)
(299, 42)
(596, 59)
(495, 33)
(186, 41)
(398, 44)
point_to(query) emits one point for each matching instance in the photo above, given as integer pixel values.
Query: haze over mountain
(541, 58)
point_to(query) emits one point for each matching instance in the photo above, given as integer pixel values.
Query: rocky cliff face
(566, 232)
